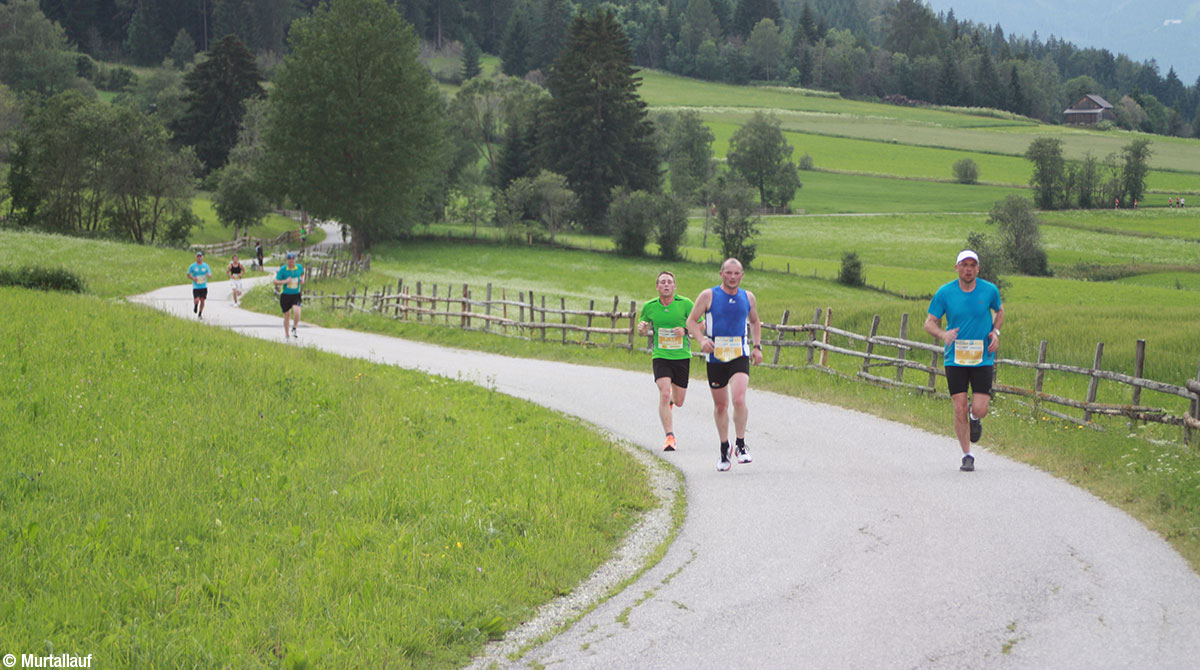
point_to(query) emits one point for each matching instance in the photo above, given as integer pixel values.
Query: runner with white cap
(973, 316)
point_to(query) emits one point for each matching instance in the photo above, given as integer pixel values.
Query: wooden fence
(335, 267)
(222, 248)
(526, 316)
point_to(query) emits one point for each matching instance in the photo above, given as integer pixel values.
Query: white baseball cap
(965, 254)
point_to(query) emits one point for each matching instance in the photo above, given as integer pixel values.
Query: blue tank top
(726, 318)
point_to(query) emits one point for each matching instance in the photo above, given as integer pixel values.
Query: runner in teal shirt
(973, 318)
(665, 318)
(291, 277)
(198, 273)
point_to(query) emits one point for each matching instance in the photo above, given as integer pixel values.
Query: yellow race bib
(667, 339)
(968, 352)
(726, 349)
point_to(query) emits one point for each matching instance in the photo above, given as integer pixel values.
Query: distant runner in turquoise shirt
(198, 273)
(665, 318)
(291, 277)
(973, 318)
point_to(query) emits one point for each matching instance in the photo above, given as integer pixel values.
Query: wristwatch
(758, 346)
(996, 331)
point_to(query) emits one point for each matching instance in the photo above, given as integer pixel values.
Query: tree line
(896, 50)
(877, 49)
(363, 136)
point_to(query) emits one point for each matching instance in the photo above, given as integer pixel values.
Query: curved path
(850, 542)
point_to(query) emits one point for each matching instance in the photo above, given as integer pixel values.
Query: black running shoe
(968, 463)
(976, 429)
(195, 307)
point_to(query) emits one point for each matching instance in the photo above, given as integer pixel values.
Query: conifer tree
(217, 90)
(595, 130)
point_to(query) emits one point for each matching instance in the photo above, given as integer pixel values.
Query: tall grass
(181, 496)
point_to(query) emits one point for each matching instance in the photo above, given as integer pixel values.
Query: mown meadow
(178, 495)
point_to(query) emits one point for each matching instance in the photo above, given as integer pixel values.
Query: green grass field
(960, 130)
(212, 232)
(180, 495)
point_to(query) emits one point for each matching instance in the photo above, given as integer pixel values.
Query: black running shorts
(978, 377)
(677, 370)
(719, 374)
(287, 300)
(201, 293)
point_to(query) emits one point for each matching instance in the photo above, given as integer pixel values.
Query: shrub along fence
(526, 316)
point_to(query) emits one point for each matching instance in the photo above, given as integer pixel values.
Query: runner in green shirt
(665, 318)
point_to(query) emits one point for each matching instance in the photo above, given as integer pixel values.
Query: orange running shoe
(669, 444)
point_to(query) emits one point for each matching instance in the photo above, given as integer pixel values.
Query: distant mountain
(1166, 30)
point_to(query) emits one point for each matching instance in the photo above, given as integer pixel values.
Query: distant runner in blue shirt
(973, 315)
(291, 278)
(198, 273)
(732, 338)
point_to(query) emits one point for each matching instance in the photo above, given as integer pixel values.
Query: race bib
(667, 339)
(968, 352)
(293, 282)
(726, 349)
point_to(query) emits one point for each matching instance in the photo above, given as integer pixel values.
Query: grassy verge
(243, 504)
(210, 230)
(1143, 469)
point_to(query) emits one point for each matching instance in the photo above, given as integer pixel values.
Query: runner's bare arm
(693, 321)
(994, 335)
(933, 326)
(756, 355)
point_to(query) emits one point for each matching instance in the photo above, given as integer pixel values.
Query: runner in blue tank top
(973, 318)
(726, 310)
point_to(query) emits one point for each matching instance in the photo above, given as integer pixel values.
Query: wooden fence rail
(523, 316)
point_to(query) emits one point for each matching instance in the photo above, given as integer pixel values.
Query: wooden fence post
(1139, 363)
(418, 301)
(466, 308)
(779, 336)
(1095, 383)
(1039, 376)
(812, 336)
(1187, 430)
(632, 322)
(504, 307)
(543, 318)
(487, 308)
(520, 311)
(866, 364)
(933, 358)
(902, 352)
(825, 336)
(613, 325)
(562, 304)
(587, 334)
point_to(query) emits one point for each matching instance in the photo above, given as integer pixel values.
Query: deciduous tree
(689, 155)
(1136, 159)
(1047, 180)
(356, 131)
(759, 153)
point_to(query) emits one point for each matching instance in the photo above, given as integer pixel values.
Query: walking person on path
(665, 318)
(726, 310)
(291, 277)
(258, 253)
(973, 318)
(198, 273)
(235, 271)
